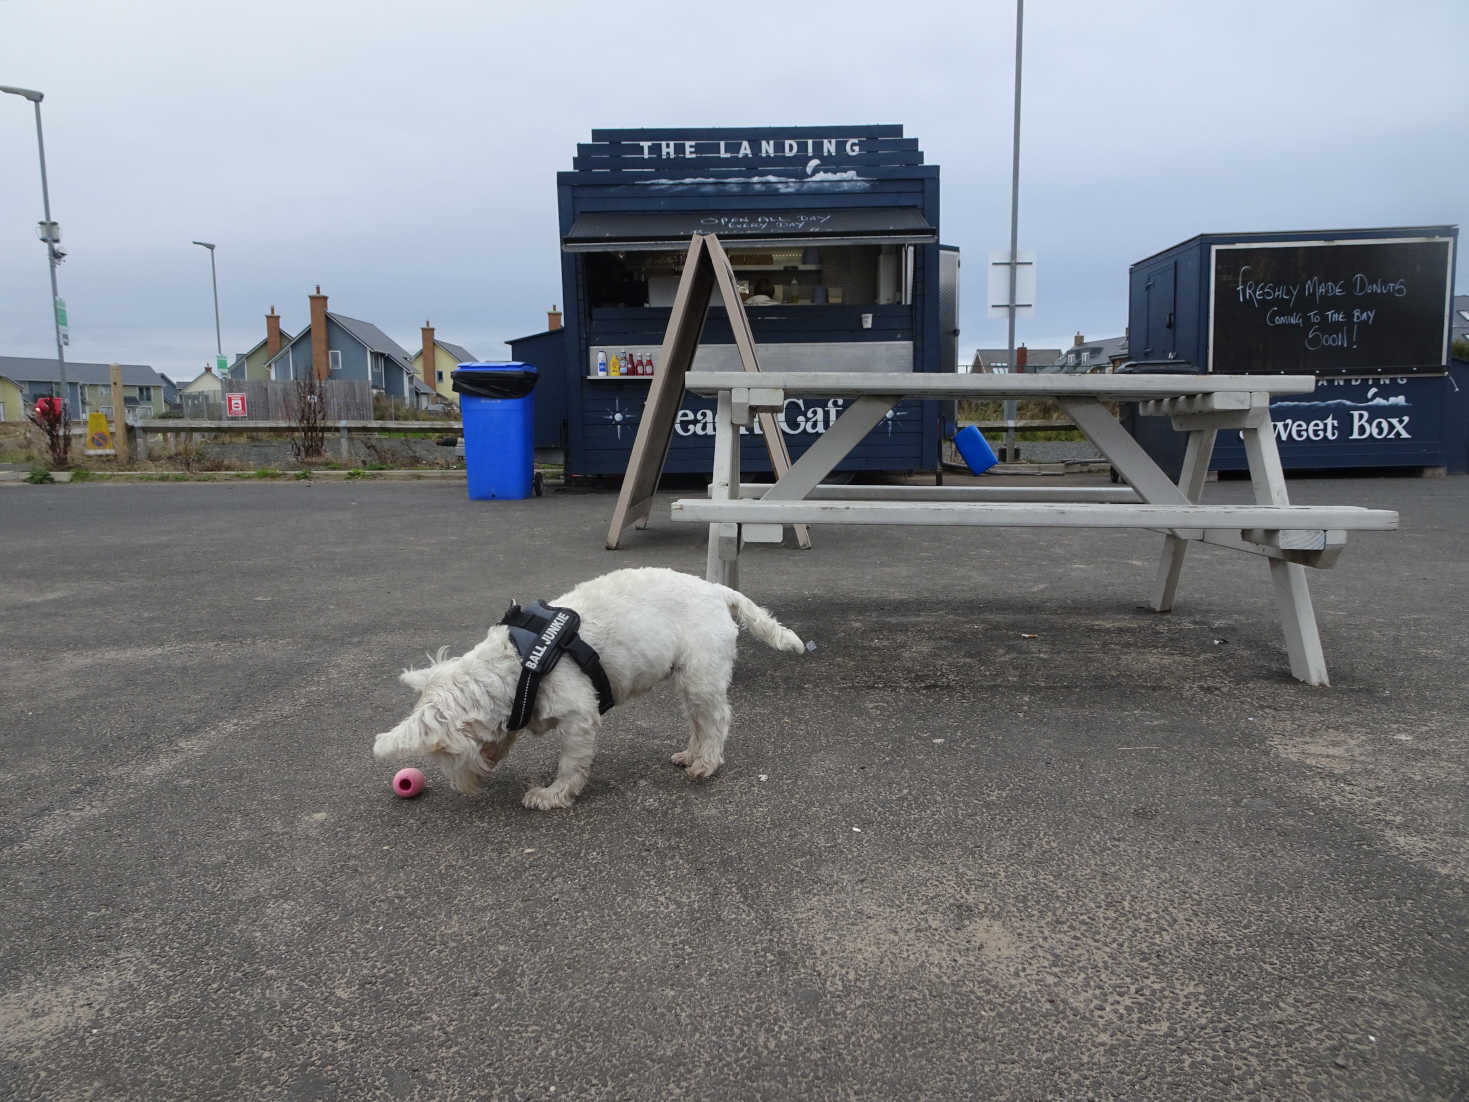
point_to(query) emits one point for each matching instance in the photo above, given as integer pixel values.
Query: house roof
(458, 351)
(371, 336)
(208, 372)
(286, 338)
(542, 333)
(1090, 354)
(368, 335)
(39, 369)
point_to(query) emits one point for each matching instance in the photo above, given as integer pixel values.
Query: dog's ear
(416, 680)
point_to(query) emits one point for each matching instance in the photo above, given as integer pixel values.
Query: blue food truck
(833, 234)
(1366, 311)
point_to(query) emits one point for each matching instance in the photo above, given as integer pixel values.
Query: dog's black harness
(542, 633)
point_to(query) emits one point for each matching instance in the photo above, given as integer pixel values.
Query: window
(439, 376)
(847, 275)
(145, 393)
(334, 363)
(376, 359)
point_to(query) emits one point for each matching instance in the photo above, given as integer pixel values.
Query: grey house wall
(392, 376)
(354, 355)
(299, 360)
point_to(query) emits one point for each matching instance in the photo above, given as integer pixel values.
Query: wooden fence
(346, 400)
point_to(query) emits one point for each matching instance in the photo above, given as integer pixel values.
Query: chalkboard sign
(1361, 307)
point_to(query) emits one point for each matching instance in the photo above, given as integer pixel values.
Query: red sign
(234, 404)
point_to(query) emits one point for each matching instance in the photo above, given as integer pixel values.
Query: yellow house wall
(208, 383)
(446, 364)
(10, 398)
(443, 362)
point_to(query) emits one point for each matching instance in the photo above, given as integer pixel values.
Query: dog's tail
(760, 623)
(403, 740)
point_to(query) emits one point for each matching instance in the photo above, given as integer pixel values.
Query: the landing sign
(1377, 306)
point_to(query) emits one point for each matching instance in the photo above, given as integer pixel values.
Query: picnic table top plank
(1128, 388)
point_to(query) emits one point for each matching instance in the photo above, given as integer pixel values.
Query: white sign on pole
(999, 284)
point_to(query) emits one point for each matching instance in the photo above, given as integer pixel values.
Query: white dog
(647, 625)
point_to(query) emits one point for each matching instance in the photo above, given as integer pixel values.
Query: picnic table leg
(1143, 474)
(1292, 594)
(849, 429)
(1191, 482)
(723, 562)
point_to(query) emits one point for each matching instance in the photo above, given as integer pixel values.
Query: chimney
(553, 317)
(1022, 357)
(430, 361)
(1078, 341)
(320, 362)
(272, 334)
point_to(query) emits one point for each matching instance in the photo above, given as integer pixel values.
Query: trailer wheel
(538, 484)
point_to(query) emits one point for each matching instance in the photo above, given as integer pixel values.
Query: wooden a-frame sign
(705, 267)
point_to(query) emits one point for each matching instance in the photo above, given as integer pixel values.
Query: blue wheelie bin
(496, 404)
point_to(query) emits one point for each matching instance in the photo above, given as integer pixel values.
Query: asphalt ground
(1005, 834)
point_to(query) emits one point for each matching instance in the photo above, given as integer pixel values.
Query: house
(23, 379)
(206, 382)
(254, 365)
(443, 358)
(334, 346)
(996, 361)
(1085, 356)
(1459, 327)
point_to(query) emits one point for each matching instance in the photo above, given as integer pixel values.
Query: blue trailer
(833, 236)
(1367, 311)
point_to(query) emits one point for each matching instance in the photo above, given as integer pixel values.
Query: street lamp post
(1011, 451)
(213, 279)
(50, 235)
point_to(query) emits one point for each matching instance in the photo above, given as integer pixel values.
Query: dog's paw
(546, 799)
(680, 759)
(702, 768)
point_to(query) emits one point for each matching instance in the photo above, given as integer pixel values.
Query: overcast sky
(403, 155)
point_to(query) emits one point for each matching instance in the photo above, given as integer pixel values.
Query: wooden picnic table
(1290, 537)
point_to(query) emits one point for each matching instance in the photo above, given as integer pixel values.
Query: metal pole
(35, 98)
(218, 344)
(1010, 451)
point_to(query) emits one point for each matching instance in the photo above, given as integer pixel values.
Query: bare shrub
(306, 409)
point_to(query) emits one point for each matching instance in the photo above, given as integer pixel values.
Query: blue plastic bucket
(975, 449)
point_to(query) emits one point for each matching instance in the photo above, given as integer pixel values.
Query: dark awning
(607, 231)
